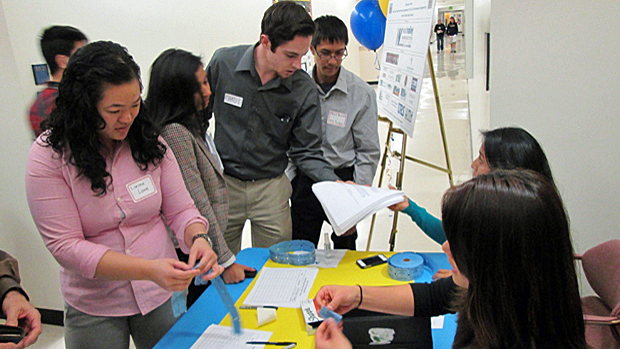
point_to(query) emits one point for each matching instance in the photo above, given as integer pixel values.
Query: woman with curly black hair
(101, 187)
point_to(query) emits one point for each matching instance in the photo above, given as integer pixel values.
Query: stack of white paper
(346, 204)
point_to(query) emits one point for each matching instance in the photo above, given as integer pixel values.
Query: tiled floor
(422, 184)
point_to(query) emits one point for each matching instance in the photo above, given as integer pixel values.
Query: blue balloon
(368, 24)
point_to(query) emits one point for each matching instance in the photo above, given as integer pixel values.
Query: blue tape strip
(327, 313)
(294, 252)
(225, 296)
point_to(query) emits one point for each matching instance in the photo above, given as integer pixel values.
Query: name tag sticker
(337, 119)
(233, 100)
(142, 188)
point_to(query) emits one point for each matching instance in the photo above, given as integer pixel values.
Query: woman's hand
(401, 205)
(329, 336)
(171, 274)
(235, 273)
(201, 251)
(340, 299)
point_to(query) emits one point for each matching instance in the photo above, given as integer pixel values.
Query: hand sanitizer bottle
(328, 246)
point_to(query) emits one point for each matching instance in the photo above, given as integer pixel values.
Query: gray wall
(555, 72)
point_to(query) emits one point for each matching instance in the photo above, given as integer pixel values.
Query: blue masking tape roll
(405, 266)
(294, 252)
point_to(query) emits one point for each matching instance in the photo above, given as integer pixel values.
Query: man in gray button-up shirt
(350, 136)
(265, 106)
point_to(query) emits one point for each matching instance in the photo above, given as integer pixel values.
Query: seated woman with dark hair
(514, 282)
(100, 184)
(177, 100)
(502, 149)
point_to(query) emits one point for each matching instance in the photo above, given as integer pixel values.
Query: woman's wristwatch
(204, 236)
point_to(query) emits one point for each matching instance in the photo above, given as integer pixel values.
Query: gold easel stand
(399, 156)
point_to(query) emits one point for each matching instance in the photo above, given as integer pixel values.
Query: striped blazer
(205, 184)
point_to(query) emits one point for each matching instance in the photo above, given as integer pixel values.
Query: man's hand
(20, 312)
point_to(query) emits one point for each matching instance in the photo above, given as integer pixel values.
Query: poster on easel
(407, 36)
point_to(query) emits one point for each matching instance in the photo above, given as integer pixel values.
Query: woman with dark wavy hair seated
(177, 100)
(504, 148)
(100, 184)
(514, 283)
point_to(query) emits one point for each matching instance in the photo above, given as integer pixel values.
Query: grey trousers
(83, 331)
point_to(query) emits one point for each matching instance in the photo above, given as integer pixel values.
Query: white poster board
(407, 36)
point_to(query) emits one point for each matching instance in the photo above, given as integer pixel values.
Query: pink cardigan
(79, 227)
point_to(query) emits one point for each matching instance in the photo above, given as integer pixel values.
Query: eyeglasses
(327, 55)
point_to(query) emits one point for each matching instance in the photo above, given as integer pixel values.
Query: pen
(287, 344)
(257, 306)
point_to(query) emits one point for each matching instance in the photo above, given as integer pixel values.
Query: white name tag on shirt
(233, 100)
(142, 188)
(337, 119)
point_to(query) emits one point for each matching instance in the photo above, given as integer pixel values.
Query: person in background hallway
(514, 282)
(102, 188)
(350, 136)
(58, 43)
(452, 32)
(504, 148)
(264, 107)
(178, 95)
(439, 30)
(15, 304)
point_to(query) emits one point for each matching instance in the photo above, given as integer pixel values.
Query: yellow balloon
(384, 6)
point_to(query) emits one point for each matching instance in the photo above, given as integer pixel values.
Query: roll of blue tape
(405, 266)
(294, 252)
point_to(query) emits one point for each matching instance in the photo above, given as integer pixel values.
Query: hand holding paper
(346, 204)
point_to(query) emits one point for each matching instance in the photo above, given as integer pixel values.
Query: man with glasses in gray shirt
(350, 136)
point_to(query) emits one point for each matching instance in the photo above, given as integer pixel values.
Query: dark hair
(285, 20)
(511, 148)
(59, 40)
(75, 123)
(509, 235)
(329, 28)
(172, 90)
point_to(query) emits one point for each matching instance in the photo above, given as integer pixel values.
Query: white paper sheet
(282, 287)
(218, 337)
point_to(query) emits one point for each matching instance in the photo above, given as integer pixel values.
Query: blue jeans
(439, 42)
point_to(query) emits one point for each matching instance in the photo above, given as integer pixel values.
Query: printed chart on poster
(407, 35)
